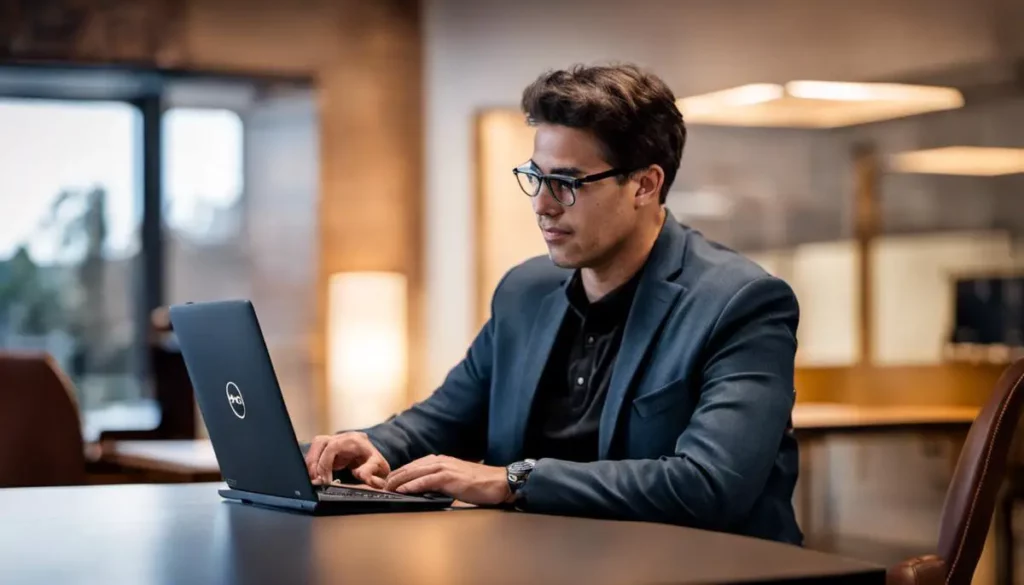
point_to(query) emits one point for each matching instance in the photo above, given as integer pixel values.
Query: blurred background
(346, 165)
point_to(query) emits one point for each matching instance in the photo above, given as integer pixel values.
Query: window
(121, 193)
(204, 211)
(70, 213)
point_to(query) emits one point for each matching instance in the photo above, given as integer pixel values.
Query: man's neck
(617, 270)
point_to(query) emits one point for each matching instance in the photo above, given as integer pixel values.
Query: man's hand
(351, 450)
(467, 482)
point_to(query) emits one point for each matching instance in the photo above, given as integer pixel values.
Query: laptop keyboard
(332, 492)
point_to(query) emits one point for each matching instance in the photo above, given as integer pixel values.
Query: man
(637, 372)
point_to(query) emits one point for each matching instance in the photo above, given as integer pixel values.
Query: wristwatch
(518, 473)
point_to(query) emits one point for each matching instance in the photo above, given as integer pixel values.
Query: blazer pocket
(661, 399)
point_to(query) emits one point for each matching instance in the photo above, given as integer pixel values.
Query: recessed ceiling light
(816, 104)
(960, 160)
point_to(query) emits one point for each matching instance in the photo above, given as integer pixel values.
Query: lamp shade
(961, 160)
(367, 353)
(815, 104)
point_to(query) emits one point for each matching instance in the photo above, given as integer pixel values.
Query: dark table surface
(142, 534)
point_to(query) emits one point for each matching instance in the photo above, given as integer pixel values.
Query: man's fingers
(381, 468)
(366, 476)
(335, 455)
(373, 472)
(429, 460)
(328, 453)
(411, 472)
(407, 473)
(316, 448)
(325, 462)
(434, 482)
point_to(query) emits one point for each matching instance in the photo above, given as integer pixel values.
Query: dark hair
(631, 112)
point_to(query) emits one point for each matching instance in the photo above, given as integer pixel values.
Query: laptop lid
(240, 399)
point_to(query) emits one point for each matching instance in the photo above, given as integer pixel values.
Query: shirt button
(590, 340)
(580, 381)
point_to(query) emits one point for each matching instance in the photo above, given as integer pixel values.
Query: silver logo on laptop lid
(235, 400)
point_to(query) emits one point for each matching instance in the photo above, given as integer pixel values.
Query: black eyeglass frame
(574, 183)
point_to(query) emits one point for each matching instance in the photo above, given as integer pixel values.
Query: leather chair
(973, 493)
(40, 432)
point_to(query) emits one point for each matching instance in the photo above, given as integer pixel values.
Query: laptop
(252, 435)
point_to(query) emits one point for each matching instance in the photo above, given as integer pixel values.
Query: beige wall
(505, 222)
(826, 280)
(912, 293)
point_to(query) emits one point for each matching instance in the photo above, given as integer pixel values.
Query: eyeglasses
(562, 187)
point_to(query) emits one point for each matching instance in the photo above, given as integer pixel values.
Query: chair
(40, 432)
(972, 495)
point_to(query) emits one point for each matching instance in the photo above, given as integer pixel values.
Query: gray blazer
(696, 427)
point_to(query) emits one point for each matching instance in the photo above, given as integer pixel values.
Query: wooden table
(815, 424)
(141, 534)
(811, 419)
(171, 461)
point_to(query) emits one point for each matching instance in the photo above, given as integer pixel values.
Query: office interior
(345, 165)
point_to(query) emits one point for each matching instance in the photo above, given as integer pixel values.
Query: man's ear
(650, 181)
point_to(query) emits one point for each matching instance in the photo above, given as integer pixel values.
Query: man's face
(588, 233)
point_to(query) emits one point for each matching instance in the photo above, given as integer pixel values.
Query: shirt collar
(611, 308)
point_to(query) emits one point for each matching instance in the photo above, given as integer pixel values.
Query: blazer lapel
(541, 340)
(655, 296)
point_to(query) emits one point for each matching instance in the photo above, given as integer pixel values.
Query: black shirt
(566, 410)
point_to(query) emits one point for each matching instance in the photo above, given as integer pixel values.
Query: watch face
(520, 467)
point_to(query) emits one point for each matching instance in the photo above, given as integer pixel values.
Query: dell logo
(235, 400)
